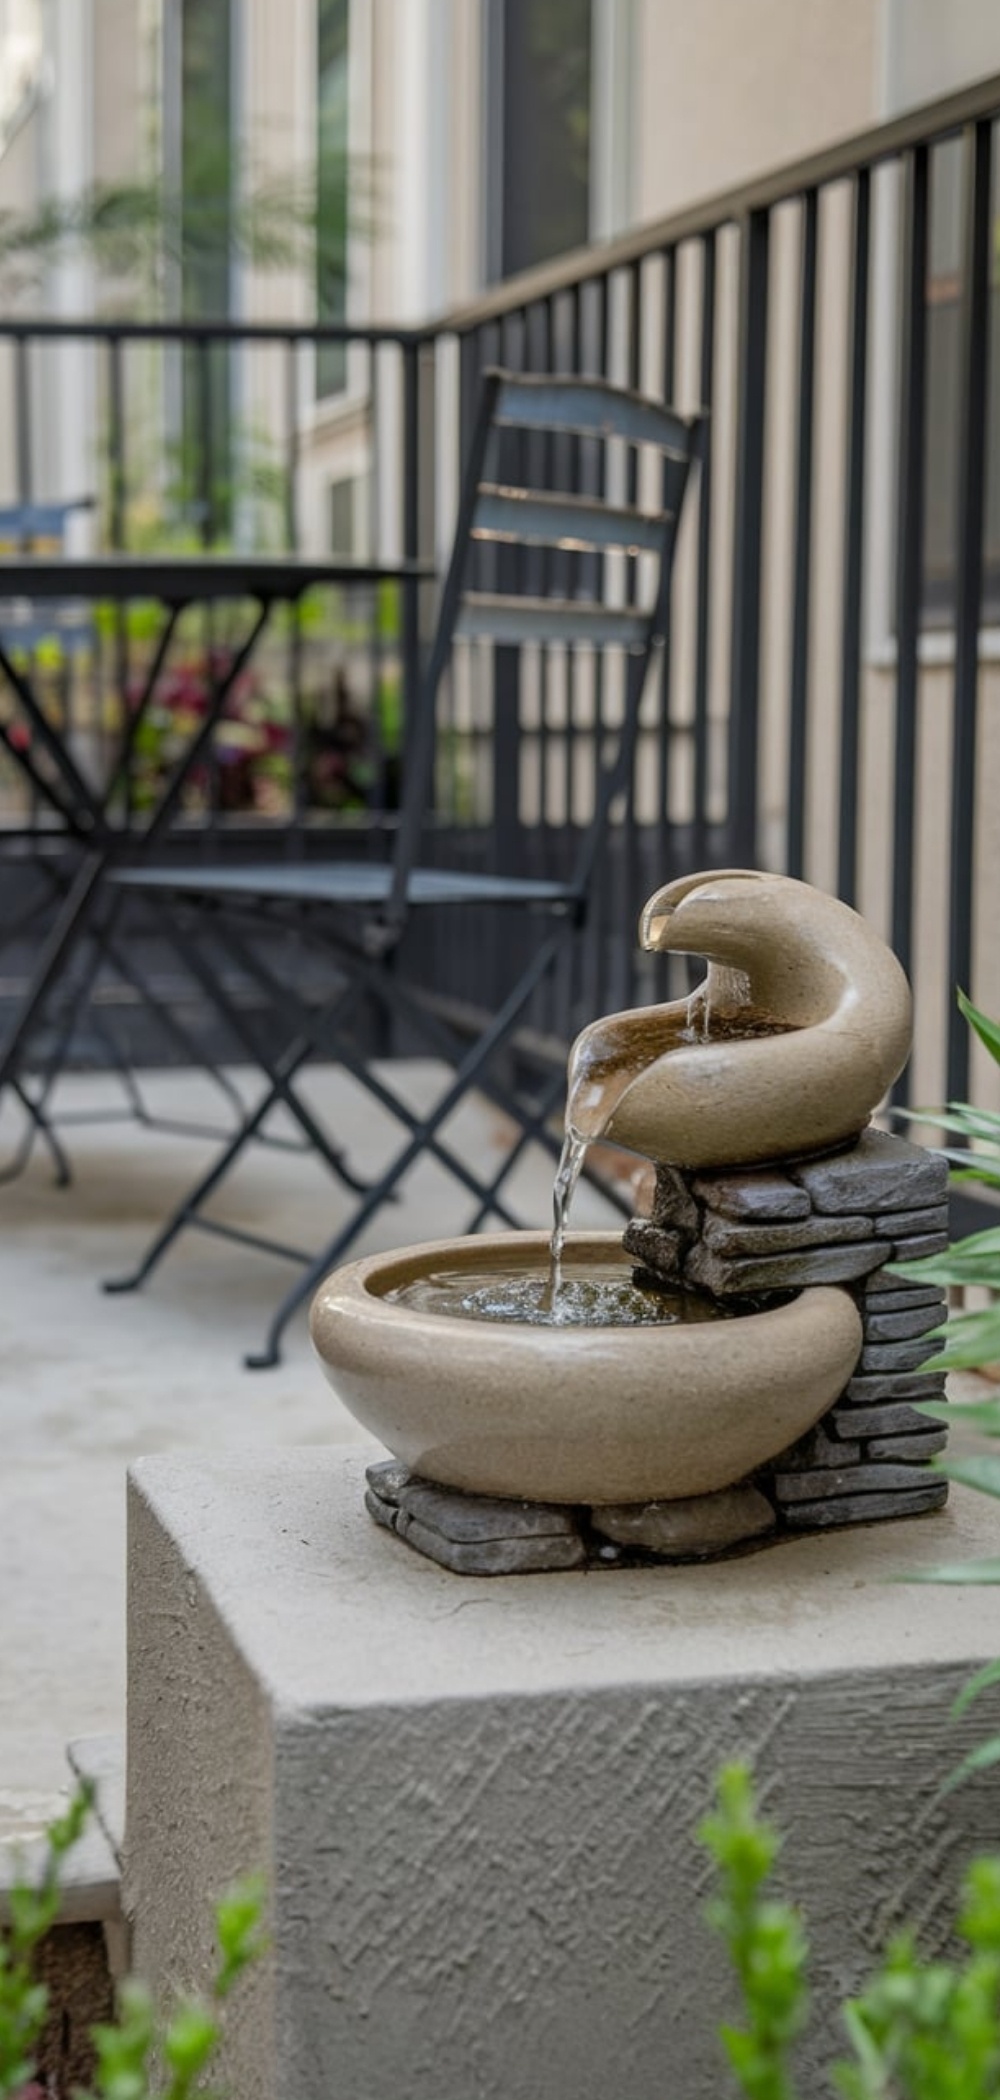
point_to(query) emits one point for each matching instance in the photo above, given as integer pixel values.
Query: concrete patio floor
(90, 1382)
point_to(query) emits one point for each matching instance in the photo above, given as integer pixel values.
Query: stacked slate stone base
(749, 1239)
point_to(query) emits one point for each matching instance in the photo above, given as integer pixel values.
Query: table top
(177, 579)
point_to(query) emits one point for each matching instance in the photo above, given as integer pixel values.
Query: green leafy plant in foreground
(969, 1340)
(919, 2030)
(137, 2054)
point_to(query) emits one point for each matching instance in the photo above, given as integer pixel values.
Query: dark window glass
(331, 186)
(541, 67)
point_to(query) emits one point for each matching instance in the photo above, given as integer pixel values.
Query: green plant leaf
(958, 1571)
(988, 1031)
(979, 1760)
(989, 1674)
(980, 1470)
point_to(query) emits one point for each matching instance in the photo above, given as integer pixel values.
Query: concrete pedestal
(475, 1803)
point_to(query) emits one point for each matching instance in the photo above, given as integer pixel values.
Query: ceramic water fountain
(740, 1364)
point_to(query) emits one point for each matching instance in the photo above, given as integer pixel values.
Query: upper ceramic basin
(576, 1415)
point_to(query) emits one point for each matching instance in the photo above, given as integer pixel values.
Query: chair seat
(347, 882)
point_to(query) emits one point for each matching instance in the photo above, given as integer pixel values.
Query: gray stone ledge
(925, 1445)
(781, 1272)
(894, 1225)
(901, 1326)
(918, 1249)
(659, 1249)
(866, 1509)
(673, 1204)
(896, 1356)
(888, 1420)
(527, 1555)
(852, 1480)
(905, 1385)
(767, 1194)
(893, 1293)
(818, 1448)
(879, 1173)
(725, 1236)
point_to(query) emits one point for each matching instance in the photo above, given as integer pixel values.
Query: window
(538, 92)
(332, 110)
(342, 513)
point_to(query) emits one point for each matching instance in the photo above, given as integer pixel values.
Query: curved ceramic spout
(801, 1024)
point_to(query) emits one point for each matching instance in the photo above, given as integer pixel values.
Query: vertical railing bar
(798, 727)
(300, 784)
(747, 521)
(23, 435)
(669, 385)
(410, 535)
(631, 870)
(972, 454)
(116, 536)
(909, 547)
(701, 663)
(854, 525)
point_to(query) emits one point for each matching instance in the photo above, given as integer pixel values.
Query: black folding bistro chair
(575, 570)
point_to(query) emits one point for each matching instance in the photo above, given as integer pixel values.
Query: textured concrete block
(476, 1805)
(878, 1173)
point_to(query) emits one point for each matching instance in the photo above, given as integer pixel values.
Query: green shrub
(919, 2030)
(137, 2054)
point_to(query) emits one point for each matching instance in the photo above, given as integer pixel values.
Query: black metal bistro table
(84, 811)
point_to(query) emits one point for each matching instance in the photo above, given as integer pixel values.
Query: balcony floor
(92, 1382)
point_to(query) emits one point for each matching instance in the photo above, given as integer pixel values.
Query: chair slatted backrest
(588, 534)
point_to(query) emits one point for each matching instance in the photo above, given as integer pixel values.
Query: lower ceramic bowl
(575, 1414)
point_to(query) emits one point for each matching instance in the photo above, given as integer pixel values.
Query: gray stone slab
(901, 1326)
(692, 1528)
(753, 1196)
(728, 1237)
(924, 1446)
(875, 1479)
(467, 1518)
(781, 1272)
(866, 1509)
(673, 1205)
(655, 1247)
(894, 1225)
(918, 1247)
(530, 1555)
(894, 1294)
(892, 1419)
(880, 1172)
(818, 1448)
(896, 1356)
(874, 1386)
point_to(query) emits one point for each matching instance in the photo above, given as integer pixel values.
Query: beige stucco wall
(727, 90)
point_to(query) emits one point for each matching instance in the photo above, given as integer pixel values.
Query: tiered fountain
(743, 1364)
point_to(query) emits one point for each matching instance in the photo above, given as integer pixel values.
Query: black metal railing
(820, 710)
